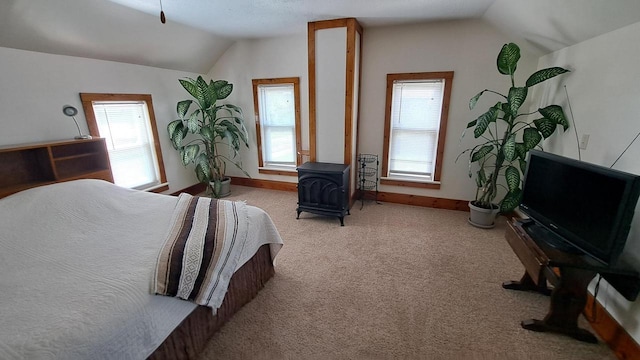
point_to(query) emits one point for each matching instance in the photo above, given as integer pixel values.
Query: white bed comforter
(76, 269)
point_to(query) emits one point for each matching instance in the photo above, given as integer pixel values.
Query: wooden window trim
(442, 131)
(256, 108)
(87, 104)
(291, 172)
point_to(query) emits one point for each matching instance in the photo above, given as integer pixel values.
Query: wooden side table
(570, 274)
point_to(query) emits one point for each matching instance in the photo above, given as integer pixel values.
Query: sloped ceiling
(551, 25)
(198, 32)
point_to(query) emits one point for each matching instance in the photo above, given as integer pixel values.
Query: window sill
(158, 188)
(279, 171)
(410, 183)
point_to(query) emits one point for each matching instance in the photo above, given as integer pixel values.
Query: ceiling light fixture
(162, 18)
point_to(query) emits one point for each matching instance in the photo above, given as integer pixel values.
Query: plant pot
(225, 187)
(482, 217)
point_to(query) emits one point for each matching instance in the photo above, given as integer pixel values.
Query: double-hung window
(415, 126)
(128, 125)
(277, 110)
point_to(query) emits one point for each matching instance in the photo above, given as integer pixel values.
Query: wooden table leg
(527, 284)
(567, 302)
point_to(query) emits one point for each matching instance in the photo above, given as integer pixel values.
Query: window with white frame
(130, 135)
(415, 123)
(276, 103)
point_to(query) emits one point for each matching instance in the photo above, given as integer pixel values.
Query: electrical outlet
(584, 141)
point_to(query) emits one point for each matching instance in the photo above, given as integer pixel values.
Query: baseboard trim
(611, 332)
(406, 199)
(264, 184)
(193, 189)
(418, 200)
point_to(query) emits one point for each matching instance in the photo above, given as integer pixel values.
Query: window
(127, 122)
(415, 127)
(277, 108)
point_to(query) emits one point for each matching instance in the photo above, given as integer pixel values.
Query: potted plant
(217, 127)
(506, 138)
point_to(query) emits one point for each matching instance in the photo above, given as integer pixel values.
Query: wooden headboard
(30, 165)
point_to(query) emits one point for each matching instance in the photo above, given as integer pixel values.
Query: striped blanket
(202, 249)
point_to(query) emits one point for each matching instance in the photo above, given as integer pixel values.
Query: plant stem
(495, 92)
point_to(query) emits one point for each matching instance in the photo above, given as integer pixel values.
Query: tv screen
(587, 206)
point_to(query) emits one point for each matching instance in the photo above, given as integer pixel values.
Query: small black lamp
(71, 112)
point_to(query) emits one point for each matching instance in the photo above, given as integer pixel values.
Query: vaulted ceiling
(198, 32)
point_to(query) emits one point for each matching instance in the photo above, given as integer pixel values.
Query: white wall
(605, 98)
(35, 86)
(469, 48)
(263, 59)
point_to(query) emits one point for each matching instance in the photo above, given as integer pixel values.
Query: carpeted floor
(396, 282)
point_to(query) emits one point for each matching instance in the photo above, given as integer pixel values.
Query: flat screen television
(587, 207)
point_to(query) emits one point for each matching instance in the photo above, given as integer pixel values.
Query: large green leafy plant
(218, 128)
(507, 136)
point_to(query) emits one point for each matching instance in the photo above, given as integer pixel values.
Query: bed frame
(192, 335)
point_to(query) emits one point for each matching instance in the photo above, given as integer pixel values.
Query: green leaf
(183, 107)
(508, 59)
(231, 132)
(238, 130)
(203, 170)
(472, 123)
(230, 108)
(509, 148)
(220, 131)
(512, 175)
(171, 128)
(483, 122)
(189, 153)
(531, 137)
(474, 100)
(545, 126)
(218, 84)
(555, 114)
(482, 152)
(517, 96)
(224, 91)
(521, 151)
(503, 106)
(544, 74)
(511, 201)
(523, 165)
(193, 123)
(210, 96)
(207, 134)
(204, 97)
(177, 132)
(190, 85)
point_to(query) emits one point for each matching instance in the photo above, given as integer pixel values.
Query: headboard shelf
(30, 165)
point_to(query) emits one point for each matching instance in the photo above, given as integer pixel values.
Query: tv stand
(540, 233)
(570, 274)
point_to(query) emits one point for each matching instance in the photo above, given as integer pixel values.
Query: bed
(77, 262)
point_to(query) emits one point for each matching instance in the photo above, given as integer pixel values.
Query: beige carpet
(396, 282)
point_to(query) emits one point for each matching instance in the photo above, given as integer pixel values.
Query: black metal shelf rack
(367, 176)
